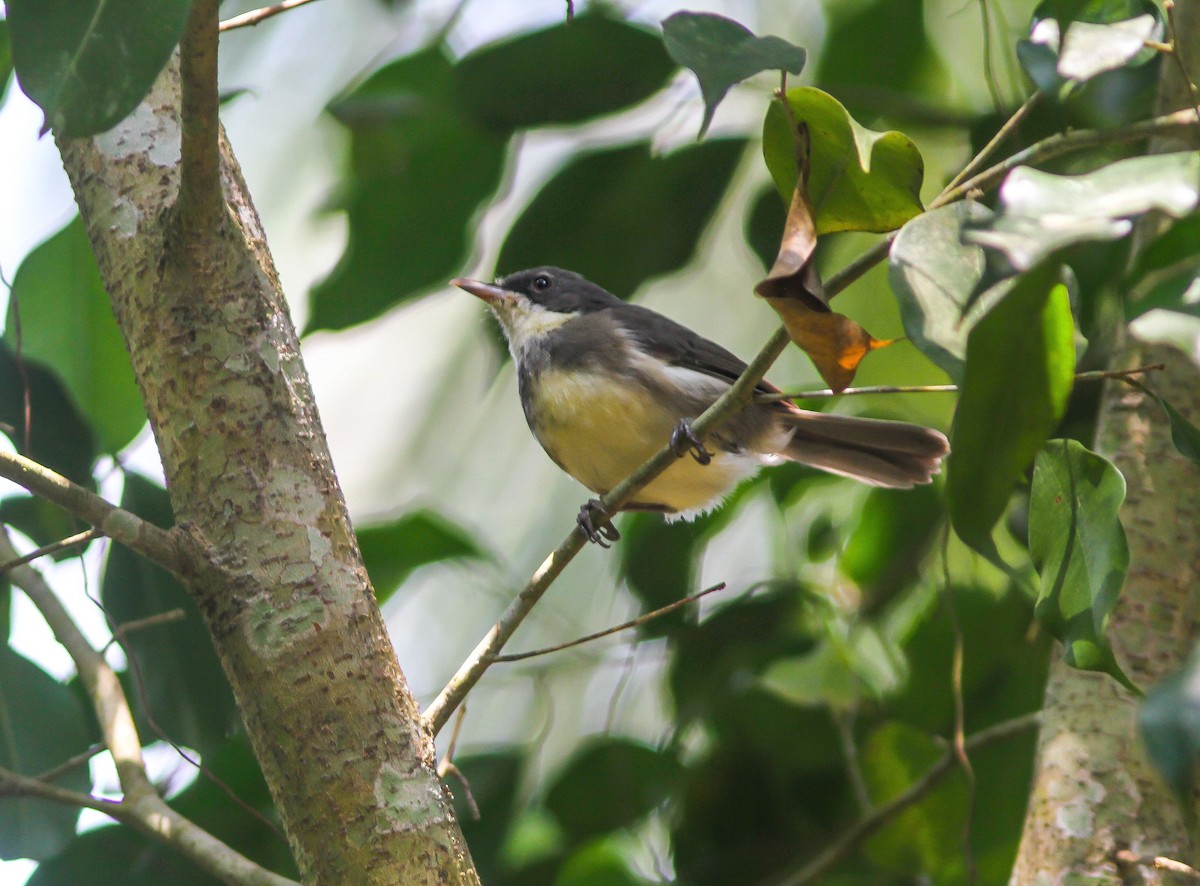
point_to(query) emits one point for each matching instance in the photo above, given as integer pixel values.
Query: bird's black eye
(541, 282)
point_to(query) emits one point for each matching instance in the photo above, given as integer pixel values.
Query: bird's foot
(594, 521)
(684, 441)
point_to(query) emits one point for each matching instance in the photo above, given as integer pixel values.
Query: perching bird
(605, 384)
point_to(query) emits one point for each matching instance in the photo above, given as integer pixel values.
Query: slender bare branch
(79, 538)
(254, 16)
(842, 846)
(72, 762)
(118, 524)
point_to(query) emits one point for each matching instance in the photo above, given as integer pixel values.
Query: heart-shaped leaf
(723, 53)
(860, 180)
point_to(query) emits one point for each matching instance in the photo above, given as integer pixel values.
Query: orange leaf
(834, 342)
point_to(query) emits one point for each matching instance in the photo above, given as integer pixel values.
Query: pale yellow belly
(600, 432)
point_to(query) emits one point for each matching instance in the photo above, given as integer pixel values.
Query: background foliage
(734, 739)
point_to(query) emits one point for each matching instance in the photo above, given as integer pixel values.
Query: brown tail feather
(874, 451)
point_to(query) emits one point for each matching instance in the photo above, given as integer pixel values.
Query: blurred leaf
(935, 275)
(67, 324)
(621, 216)
(1078, 547)
(494, 780)
(1043, 213)
(722, 53)
(59, 437)
(1090, 49)
(926, 838)
(573, 71)
(392, 551)
(41, 725)
(43, 522)
(658, 562)
(1165, 273)
(599, 863)
(185, 688)
(1018, 376)
(1184, 434)
(5, 57)
(763, 223)
(846, 668)
(419, 169)
(116, 854)
(610, 783)
(87, 63)
(1170, 726)
(878, 193)
(885, 548)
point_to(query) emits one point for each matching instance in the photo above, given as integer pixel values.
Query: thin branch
(844, 721)
(826, 393)
(959, 738)
(1128, 857)
(616, 629)
(201, 206)
(13, 784)
(72, 762)
(117, 523)
(842, 846)
(80, 538)
(1009, 127)
(254, 16)
(1177, 52)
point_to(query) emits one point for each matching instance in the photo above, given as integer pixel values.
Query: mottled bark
(1095, 793)
(273, 560)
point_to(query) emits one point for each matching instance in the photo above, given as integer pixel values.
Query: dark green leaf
(5, 610)
(862, 664)
(589, 66)
(419, 168)
(622, 216)
(1170, 724)
(5, 57)
(494, 779)
(41, 725)
(599, 863)
(658, 563)
(723, 53)
(1165, 272)
(764, 226)
(1043, 213)
(43, 522)
(878, 193)
(1184, 434)
(392, 551)
(110, 855)
(935, 276)
(886, 548)
(1019, 372)
(1078, 547)
(926, 838)
(87, 63)
(610, 783)
(59, 437)
(185, 687)
(67, 324)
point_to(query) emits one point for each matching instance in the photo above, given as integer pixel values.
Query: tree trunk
(1095, 794)
(273, 560)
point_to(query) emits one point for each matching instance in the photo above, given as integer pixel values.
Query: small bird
(605, 384)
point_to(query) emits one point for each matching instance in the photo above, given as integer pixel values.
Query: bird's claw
(592, 513)
(684, 441)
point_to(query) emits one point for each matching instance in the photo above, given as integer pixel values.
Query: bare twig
(72, 762)
(448, 759)
(118, 524)
(959, 742)
(80, 538)
(844, 721)
(1128, 857)
(254, 16)
(1177, 52)
(843, 845)
(1009, 127)
(826, 393)
(608, 632)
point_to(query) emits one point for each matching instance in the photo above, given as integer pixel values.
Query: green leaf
(67, 324)
(1170, 725)
(419, 169)
(599, 863)
(1090, 49)
(41, 725)
(722, 53)
(926, 838)
(87, 63)
(1019, 373)
(658, 563)
(845, 669)
(5, 57)
(610, 783)
(622, 216)
(59, 437)
(1078, 547)
(599, 65)
(886, 548)
(392, 551)
(879, 192)
(495, 780)
(42, 522)
(1165, 273)
(1043, 213)
(185, 688)
(935, 276)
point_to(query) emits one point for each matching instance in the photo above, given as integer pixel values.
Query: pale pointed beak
(489, 292)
